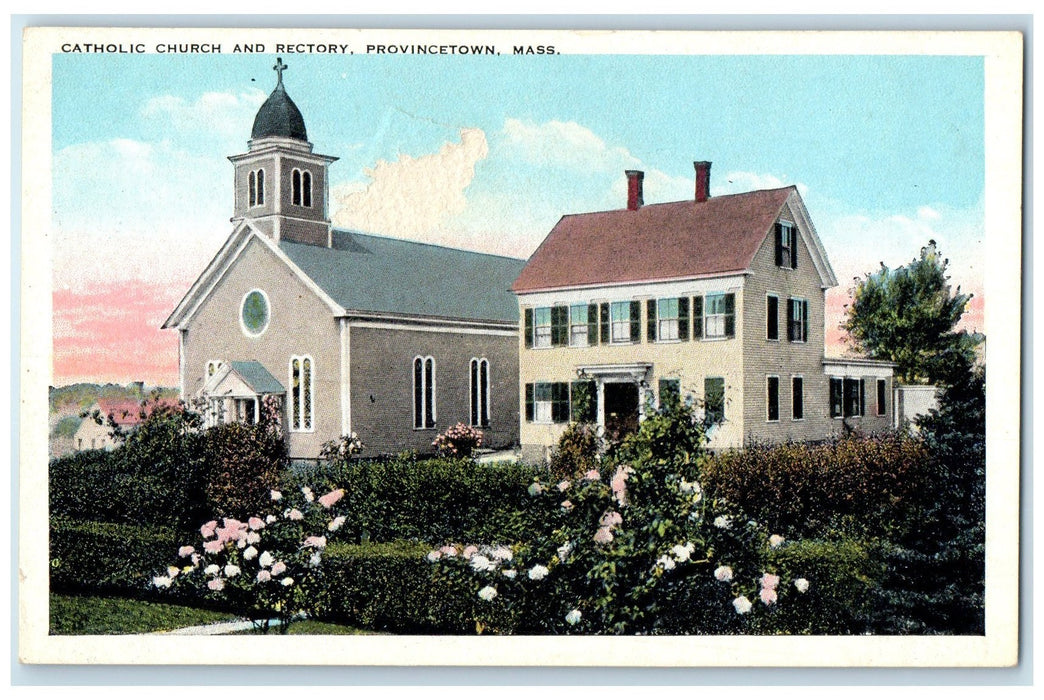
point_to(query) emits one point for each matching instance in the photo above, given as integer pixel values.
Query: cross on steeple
(279, 67)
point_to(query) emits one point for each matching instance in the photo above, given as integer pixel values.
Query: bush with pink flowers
(459, 440)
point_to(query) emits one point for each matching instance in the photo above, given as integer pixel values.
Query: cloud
(741, 181)
(411, 197)
(221, 113)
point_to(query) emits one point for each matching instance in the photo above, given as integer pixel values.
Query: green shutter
(559, 326)
(529, 403)
(650, 323)
(636, 322)
(683, 318)
(592, 324)
(603, 317)
(529, 328)
(730, 315)
(560, 402)
(790, 320)
(793, 246)
(697, 318)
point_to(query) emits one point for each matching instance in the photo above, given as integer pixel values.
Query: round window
(254, 314)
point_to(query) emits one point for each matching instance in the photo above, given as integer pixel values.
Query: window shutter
(862, 397)
(779, 244)
(793, 247)
(804, 316)
(697, 318)
(529, 328)
(636, 321)
(529, 403)
(790, 320)
(592, 324)
(559, 326)
(683, 318)
(650, 324)
(560, 402)
(730, 315)
(603, 316)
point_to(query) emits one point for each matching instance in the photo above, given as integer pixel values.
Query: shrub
(854, 485)
(633, 548)
(458, 441)
(577, 451)
(430, 500)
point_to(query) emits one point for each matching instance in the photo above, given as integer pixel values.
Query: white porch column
(600, 389)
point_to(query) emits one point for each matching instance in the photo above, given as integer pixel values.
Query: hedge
(853, 486)
(430, 500)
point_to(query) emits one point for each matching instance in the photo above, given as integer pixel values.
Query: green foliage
(936, 582)
(634, 548)
(243, 464)
(66, 427)
(853, 485)
(577, 451)
(97, 615)
(430, 500)
(908, 316)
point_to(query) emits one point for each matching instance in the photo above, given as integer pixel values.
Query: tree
(909, 316)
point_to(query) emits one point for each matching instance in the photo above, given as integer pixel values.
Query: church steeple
(281, 186)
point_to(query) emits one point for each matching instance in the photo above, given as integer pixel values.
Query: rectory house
(720, 299)
(390, 339)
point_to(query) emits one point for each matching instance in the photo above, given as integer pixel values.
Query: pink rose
(213, 546)
(256, 523)
(186, 551)
(769, 581)
(278, 568)
(216, 584)
(593, 475)
(295, 514)
(603, 536)
(263, 575)
(610, 519)
(208, 529)
(563, 485)
(469, 551)
(768, 596)
(329, 499)
(315, 541)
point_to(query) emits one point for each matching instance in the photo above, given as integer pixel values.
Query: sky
(487, 153)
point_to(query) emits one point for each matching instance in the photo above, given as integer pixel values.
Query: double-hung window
(846, 397)
(542, 327)
(797, 320)
(797, 391)
(547, 402)
(772, 394)
(786, 245)
(719, 316)
(772, 317)
(625, 320)
(579, 322)
(713, 400)
(667, 316)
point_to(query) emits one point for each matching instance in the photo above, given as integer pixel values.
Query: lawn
(97, 615)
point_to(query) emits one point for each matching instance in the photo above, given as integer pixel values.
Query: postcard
(520, 348)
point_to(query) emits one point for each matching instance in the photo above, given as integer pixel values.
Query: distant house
(720, 299)
(390, 339)
(126, 413)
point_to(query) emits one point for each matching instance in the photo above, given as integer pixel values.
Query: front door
(621, 409)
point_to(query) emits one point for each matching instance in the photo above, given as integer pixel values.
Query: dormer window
(301, 188)
(257, 187)
(786, 245)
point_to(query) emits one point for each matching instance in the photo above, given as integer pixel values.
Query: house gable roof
(674, 240)
(367, 273)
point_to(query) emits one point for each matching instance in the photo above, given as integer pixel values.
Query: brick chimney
(702, 180)
(634, 189)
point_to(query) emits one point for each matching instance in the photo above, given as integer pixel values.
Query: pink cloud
(110, 332)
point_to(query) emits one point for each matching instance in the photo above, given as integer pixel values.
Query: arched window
(423, 392)
(256, 182)
(306, 188)
(480, 392)
(295, 187)
(302, 396)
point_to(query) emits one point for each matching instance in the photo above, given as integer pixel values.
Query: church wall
(382, 386)
(299, 324)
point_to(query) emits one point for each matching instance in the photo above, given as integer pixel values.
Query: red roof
(655, 242)
(127, 412)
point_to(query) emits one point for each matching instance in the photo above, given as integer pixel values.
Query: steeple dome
(279, 116)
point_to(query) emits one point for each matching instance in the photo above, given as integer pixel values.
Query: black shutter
(683, 318)
(559, 326)
(804, 326)
(529, 403)
(836, 397)
(697, 318)
(730, 315)
(592, 324)
(790, 320)
(773, 398)
(603, 316)
(636, 322)
(650, 323)
(779, 244)
(560, 402)
(793, 247)
(862, 397)
(529, 328)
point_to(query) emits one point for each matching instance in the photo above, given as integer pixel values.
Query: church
(390, 339)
